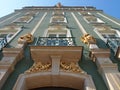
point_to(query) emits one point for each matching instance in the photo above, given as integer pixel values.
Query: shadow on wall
(53, 88)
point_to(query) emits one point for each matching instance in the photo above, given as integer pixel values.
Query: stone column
(55, 64)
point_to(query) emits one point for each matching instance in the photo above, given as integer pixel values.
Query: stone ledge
(102, 53)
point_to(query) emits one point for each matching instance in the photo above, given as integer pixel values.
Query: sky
(110, 7)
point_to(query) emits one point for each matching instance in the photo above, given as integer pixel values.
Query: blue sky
(110, 7)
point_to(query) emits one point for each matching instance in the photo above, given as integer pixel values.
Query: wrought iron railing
(113, 43)
(3, 42)
(55, 41)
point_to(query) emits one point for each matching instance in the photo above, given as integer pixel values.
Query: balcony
(3, 42)
(55, 41)
(113, 41)
(114, 44)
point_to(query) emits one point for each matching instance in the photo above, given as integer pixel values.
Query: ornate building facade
(75, 47)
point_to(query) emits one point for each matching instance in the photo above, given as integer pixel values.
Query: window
(105, 36)
(58, 19)
(62, 35)
(112, 36)
(109, 35)
(57, 35)
(93, 19)
(52, 35)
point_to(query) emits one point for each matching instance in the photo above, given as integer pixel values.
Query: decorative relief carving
(38, 66)
(72, 66)
(27, 37)
(88, 39)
